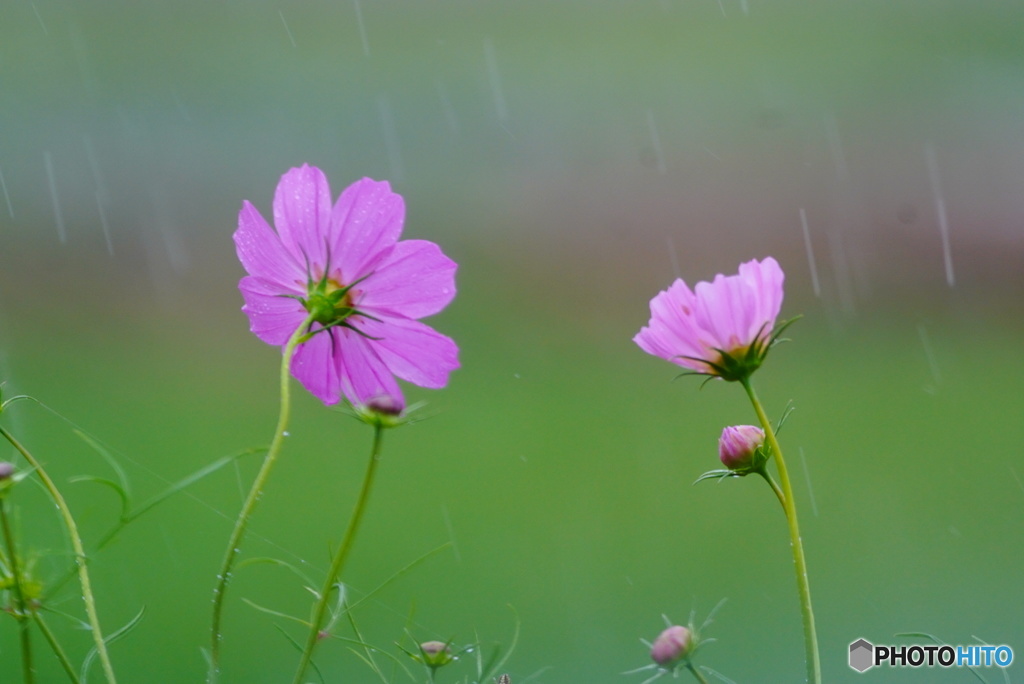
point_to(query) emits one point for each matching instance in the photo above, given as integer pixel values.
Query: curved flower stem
(80, 557)
(224, 576)
(795, 542)
(696, 673)
(774, 485)
(28, 672)
(338, 562)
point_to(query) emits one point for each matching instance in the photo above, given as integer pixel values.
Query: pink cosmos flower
(365, 290)
(723, 328)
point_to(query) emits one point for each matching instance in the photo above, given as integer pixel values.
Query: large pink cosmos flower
(365, 290)
(723, 328)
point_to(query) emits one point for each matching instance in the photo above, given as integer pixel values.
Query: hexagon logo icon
(861, 655)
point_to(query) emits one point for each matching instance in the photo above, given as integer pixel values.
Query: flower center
(329, 301)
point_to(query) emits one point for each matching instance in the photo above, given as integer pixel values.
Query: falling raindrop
(810, 254)
(659, 155)
(841, 268)
(446, 106)
(932, 365)
(102, 195)
(807, 477)
(835, 146)
(495, 80)
(57, 214)
(7, 198)
(39, 17)
(286, 29)
(940, 210)
(1017, 478)
(362, 27)
(103, 223)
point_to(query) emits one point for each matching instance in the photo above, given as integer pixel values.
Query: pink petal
(302, 215)
(725, 309)
(364, 376)
(272, 317)
(412, 350)
(672, 333)
(766, 278)
(415, 280)
(315, 365)
(260, 249)
(367, 222)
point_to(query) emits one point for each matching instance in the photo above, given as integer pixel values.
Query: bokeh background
(574, 158)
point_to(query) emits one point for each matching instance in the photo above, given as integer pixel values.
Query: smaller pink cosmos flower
(723, 328)
(739, 445)
(365, 290)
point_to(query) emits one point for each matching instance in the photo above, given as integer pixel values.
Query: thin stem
(57, 650)
(795, 542)
(696, 673)
(774, 485)
(224, 576)
(19, 596)
(80, 558)
(338, 562)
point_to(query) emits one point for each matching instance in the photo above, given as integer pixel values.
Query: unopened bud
(739, 445)
(671, 646)
(436, 654)
(6, 470)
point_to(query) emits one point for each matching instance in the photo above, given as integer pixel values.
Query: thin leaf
(109, 639)
(108, 457)
(380, 587)
(298, 647)
(58, 651)
(276, 561)
(275, 613)
(116, 486)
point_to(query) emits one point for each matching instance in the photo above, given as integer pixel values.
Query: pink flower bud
(738, 446)
(671, 646)
(436, 654)
(6, 470)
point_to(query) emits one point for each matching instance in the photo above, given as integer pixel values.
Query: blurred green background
(574, 158)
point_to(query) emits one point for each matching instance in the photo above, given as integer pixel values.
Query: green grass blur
(558, 463)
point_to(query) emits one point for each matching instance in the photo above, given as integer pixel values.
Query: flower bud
(671, 646)
(435, 654)
(6, 478)
(739, 445)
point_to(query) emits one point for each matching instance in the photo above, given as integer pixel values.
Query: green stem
(19, 596)
(80, 558)
(338, 562)
(224, 576)
(696, 673)
(57, 650)
(795, 542)
(774, 485)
